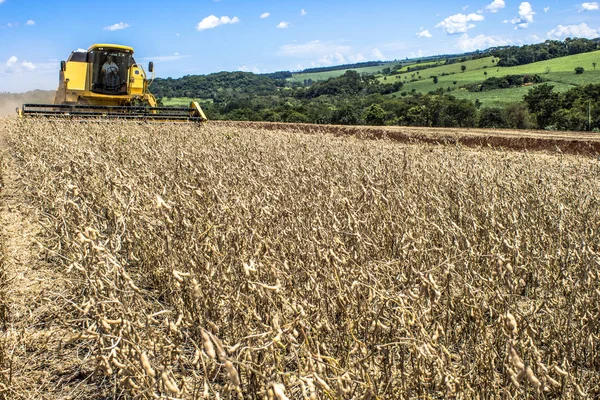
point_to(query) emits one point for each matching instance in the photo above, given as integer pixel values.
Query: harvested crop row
(222, 262)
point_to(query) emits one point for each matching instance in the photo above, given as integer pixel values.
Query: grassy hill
(323, 76)
(560, 72)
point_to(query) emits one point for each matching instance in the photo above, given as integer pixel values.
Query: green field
(560, 72)
(502, 97)
(182, 101)
(323, 76)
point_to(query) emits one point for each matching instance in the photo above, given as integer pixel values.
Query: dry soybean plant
(5, 376)
(219, 262)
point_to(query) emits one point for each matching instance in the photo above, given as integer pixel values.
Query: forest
(355, 98)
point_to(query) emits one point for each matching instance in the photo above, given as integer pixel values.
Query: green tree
(375, 115)
(295, 116)
(517, 116)
(579, 70)
(435, 80)
(594, 65)
(543, 102)
(492, 118)
(463, 68)
(345, 115)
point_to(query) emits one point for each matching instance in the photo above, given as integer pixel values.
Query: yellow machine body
(77, 84)
(106, 82)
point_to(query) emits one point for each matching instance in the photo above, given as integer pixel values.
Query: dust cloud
(10, 101)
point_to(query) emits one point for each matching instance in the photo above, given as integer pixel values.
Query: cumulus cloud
(495, 6)
(595, 6)
(582, 31)
(331, 59)
(424, 33)
(459, 23)
(283, 25)
(265, 15)
(314, 47)
(254, 69)
(546, 9)
(12, 65)
(378, 54)
(30, 22)
(525, 16)
(319, 53)
(116, 27)
(28, 65)
(303, 12)
(213, 21)
(480, 42)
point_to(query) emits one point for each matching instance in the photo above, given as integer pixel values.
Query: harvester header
(106, 82)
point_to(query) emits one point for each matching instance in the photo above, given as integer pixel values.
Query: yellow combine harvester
(106, 82)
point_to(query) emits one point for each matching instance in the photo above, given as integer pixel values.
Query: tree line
(519, 55)
(541, 108)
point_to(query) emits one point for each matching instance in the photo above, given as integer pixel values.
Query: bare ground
(581, 143)
(35, 362)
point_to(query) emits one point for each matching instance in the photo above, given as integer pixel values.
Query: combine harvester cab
(106, 82)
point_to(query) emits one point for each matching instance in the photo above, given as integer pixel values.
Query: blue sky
(204, 36)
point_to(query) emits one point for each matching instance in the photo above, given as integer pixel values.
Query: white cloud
(22, 75)
(582, 31)
(535, 39)
(12, 65)
(28, 65)
(459, 23)
(465, 8)
(30, 22)
(173, 57)
(496, 6)
(116, 27)
(303, 12)
(336, 58)
(312, 48)
(265, 15)
(480, 42)
(546, 9)
(595, 6)
(254, 69)
(378, 54)
(212, 21)
(283, 25)
(525, 16)
(424, 34)
(317, 53)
